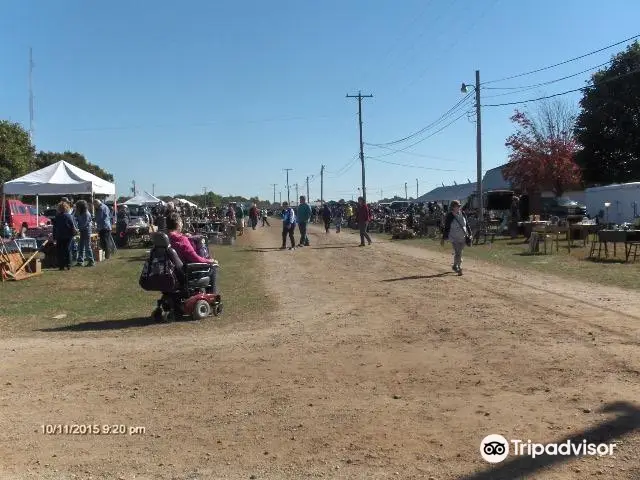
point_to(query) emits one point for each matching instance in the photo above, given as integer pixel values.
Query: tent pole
(4, 208)
(93, 209)
(37, 212)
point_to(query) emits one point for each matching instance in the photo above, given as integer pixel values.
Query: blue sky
(226, 94)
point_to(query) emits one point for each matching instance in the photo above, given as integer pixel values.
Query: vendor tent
(61, 178)
(144, 198)
(185, 202)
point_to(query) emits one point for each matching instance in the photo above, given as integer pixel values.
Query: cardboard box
(35, 266)
(98, 254)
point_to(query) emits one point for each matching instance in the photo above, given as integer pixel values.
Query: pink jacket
(184, 249)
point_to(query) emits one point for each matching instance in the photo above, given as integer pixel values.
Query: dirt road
(379, 362)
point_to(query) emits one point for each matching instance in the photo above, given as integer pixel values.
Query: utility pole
(308, 200)
(153, 189)
(416, 189)
(297, 195)
(204, 196)
(274, 185)
(280, 198)
(479, 152)
(31, 65)
(406, 195)
(288, 188)
(322, 184)
(381, 197)
(360, 97)
(134, 187)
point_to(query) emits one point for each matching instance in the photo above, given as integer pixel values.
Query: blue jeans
(85, 247)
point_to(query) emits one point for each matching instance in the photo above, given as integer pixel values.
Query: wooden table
(554, 231)
(630, 238)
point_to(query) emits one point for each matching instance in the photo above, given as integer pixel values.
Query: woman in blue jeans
(83, 221)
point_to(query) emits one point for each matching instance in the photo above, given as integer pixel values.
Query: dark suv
(563, 208)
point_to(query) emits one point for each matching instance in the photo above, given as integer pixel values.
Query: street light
(465, 89)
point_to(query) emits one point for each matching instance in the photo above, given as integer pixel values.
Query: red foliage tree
(543, 152)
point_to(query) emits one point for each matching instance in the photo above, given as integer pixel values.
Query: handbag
(467, 238)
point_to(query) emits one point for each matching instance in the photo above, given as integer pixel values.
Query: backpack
(158, 274)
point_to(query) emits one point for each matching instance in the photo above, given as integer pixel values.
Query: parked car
(564, 208)
(16, 212)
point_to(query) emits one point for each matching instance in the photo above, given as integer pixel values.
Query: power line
(442, 117)
(415, 154)
(525, 88)
(423, 139)
(564, 62)
(411, 166)
(566, 92)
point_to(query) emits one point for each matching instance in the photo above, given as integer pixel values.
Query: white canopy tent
(61, 178)
(144, 198)
(185, 202)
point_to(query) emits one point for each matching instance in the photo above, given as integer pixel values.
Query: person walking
(240, 218)
(288, 226)
(83, 222)
(457, 231)
(103, 225)
(64, 229)
(254, 213)
(363, 216)
(265, 218)
(304, 216)
(326, 217)
(338, 216)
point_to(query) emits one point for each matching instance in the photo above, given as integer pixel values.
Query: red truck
(15, 213)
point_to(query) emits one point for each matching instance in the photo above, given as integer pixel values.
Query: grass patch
(109, 292)
(574, 265)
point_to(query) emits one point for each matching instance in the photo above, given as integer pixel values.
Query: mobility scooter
(186, 289)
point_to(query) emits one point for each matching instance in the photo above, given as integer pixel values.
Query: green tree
(607, 128)
(44, 159)
(16, 151)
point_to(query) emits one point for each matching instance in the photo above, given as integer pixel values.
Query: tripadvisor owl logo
(494, 448)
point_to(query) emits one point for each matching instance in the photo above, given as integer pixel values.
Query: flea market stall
(58, 179)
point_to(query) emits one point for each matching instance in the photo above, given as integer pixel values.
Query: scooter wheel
(201, 310)
(158, 315)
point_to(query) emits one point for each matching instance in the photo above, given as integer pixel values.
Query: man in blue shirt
(103, 225)
(288, 226)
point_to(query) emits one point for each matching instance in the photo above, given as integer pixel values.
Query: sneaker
(454, 268)
(80, 264)
(90, 264)
(459, 272)
(283, 248)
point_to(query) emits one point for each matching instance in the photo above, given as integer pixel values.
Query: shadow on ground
(104, 325)
(418, 277)
(626, 421)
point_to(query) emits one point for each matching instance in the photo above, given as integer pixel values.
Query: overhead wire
(457, 106)
(617, 77)
(423, 139)
(525, 88)
(410, 166)
(531, 72)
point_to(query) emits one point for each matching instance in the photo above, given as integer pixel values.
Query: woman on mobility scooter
(194, 291)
